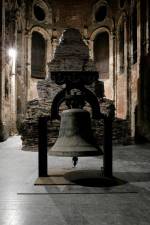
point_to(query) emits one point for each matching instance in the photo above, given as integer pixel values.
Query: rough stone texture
(71, 54)
(121, 102)
(69, 14)
(36, 108)
(134, 96)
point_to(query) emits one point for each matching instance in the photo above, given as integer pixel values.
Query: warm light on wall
(13, 54)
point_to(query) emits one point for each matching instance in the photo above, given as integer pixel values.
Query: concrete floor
(23, 203)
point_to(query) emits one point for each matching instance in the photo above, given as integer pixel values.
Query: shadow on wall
(3, 132)
(142, 111)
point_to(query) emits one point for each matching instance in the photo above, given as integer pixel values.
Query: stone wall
(71, 58)
(19, 22)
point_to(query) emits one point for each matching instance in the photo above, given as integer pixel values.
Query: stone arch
(108, 83)
(47, 36)
(32, 83)
(101, 54)
(94, 36)
(99, 30)
(41, 30)
(38, 56)
(89, 97)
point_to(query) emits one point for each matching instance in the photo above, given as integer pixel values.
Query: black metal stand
(107, 161)
(42, 145)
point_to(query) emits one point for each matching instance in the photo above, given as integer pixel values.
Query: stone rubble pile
(29, 130)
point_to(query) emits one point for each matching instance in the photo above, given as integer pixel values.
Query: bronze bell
(75, 135)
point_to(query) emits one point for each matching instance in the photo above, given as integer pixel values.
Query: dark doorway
(38, 56)
(101, 54)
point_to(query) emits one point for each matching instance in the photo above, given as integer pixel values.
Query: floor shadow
(92, 178)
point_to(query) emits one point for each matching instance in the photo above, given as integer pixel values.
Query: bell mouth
(74, 149)
(74, 153)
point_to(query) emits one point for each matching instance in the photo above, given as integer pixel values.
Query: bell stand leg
(42, 147)
(107, 160)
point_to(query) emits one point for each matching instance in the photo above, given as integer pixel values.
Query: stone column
(13, 102)
(147, 27)
(28, 63)
(3, 130)
(125, 65)
(49, 53)
(131, 33)
(121, 71)
(20, 75)
(114, 67)
(91, 50)
(48, 56)
(111, 64)
(54, 45)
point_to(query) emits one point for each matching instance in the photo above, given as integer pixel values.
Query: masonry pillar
(54, 45)
(3, 130)
(13, 102)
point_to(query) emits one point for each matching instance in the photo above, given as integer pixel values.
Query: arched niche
(45, 35)
(109, 78)
(38, 56)
(101, 54)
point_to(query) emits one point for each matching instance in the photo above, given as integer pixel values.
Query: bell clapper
(74, 160)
